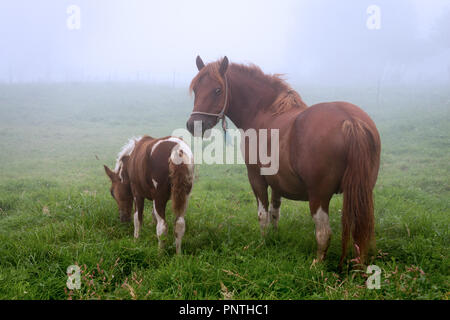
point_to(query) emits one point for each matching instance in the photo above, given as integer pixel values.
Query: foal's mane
(126, 150)
(286, 99)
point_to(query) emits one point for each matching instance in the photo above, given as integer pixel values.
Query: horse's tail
(357, 185)
(181, 174)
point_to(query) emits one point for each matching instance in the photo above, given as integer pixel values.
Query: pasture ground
(56, 210)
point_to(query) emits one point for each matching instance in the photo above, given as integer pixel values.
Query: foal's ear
(223, 66)
(111, 174)
(199, 62)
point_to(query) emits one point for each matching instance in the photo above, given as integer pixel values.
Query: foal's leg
(319, 212)
(259, 187)
(138, 215)
(159, 209)
(274, 209)
(154, 221)
(180, 227)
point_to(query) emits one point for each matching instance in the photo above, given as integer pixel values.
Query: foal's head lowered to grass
(121, 190)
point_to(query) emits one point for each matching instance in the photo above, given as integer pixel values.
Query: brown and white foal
(157, 170)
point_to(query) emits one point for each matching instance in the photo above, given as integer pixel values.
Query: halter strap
(221, 114)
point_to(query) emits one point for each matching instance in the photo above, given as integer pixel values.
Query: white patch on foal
(180, 227)
(161, 227)
(323, 232)
(180, 143)
(137, 225)
(155, 183)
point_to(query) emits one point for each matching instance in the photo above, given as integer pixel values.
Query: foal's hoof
(314, 262)
(264, 232)
(320, 258)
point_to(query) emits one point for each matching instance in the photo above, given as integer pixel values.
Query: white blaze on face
(155, 183)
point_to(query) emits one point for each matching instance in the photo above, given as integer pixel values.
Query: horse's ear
(111, 174)
(223, 66)
(199, 62)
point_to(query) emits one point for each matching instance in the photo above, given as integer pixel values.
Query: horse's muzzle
(198, 124)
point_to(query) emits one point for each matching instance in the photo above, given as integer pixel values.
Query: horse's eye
(112, 193)
(218, 91)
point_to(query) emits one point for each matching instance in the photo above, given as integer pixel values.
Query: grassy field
(56, 210)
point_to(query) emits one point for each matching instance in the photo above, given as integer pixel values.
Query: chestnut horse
(157, 170)
(324, 149)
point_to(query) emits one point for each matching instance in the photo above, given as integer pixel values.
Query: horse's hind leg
(319, 212)
(274, 209)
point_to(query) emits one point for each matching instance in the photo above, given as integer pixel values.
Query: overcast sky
(317, 41)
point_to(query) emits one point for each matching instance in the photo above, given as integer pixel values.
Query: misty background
(312, 42)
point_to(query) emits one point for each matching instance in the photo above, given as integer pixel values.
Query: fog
(318, 42)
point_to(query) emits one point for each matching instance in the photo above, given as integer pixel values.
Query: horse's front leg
(274, 209)
(259, 187)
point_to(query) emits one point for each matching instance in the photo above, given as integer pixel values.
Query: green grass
(56, 210)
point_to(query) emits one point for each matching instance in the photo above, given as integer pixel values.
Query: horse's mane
(286, 99)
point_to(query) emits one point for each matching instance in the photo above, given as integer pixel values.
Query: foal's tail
(181, 173)
(357, 185)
